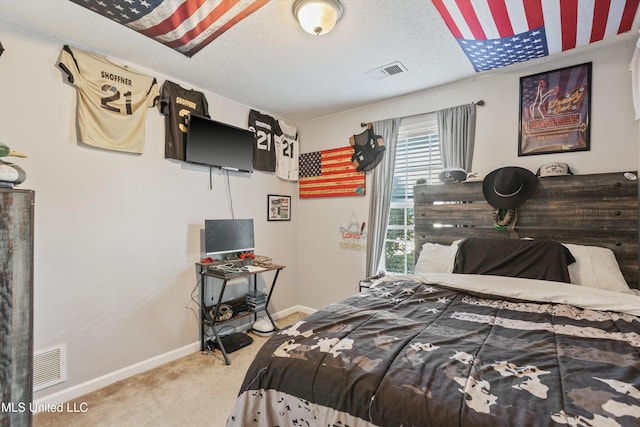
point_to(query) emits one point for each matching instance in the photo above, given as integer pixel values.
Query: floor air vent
(49, 367)
(387, 70)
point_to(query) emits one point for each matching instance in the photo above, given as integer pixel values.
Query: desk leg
(213, 323)
(255, 291)
(224, 352)
(266, 306)
(202, 309)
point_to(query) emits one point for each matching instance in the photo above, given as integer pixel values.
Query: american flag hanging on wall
(184, 25)
(497, 33)
(329, 173)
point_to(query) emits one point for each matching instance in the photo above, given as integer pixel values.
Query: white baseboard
(73, 392)
(294, 309)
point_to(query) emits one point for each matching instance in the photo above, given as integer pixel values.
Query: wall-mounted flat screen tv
(225, 236)
(217, 144)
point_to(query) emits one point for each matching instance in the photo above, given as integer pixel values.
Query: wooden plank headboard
(595, 210)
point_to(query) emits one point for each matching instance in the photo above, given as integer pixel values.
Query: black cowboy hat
(508, 187)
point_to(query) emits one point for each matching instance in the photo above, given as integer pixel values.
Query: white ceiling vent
(387, 70)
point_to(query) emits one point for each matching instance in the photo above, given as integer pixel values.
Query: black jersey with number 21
(264, 150)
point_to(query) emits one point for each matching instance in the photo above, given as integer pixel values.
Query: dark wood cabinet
(16, 308)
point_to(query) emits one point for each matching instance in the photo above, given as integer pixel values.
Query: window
(417, 156)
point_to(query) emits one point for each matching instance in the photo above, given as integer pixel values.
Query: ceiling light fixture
(317, 16)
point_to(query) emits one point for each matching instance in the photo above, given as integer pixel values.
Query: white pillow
(596, 267)
(435, 258)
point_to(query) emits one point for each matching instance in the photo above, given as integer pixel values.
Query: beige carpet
(195, 390)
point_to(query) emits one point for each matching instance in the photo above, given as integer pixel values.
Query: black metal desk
(210, 320)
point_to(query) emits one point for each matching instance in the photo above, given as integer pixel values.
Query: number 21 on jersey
(263, 140)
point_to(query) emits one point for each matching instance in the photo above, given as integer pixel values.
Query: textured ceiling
(269, 63)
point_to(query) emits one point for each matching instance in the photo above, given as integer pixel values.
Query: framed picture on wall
(278, 208)
(555, 111)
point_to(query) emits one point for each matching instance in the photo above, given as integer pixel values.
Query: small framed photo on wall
(278, 208)
(555, 111)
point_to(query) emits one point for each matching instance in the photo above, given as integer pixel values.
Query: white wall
(328, 273)
(117, 235)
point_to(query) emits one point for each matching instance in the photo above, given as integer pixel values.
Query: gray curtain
(457, 129)
(380, 191)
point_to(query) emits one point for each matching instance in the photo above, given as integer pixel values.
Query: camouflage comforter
(411, 353)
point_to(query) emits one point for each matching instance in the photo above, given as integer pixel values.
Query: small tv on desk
(228, 236)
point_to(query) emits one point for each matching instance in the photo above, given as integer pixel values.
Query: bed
(468, 340)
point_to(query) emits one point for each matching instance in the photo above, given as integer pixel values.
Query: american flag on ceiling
(329, 173)
(184, 25)
(496, 33)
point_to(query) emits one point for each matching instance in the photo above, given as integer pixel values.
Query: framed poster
(278, 208)
(555, 109)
